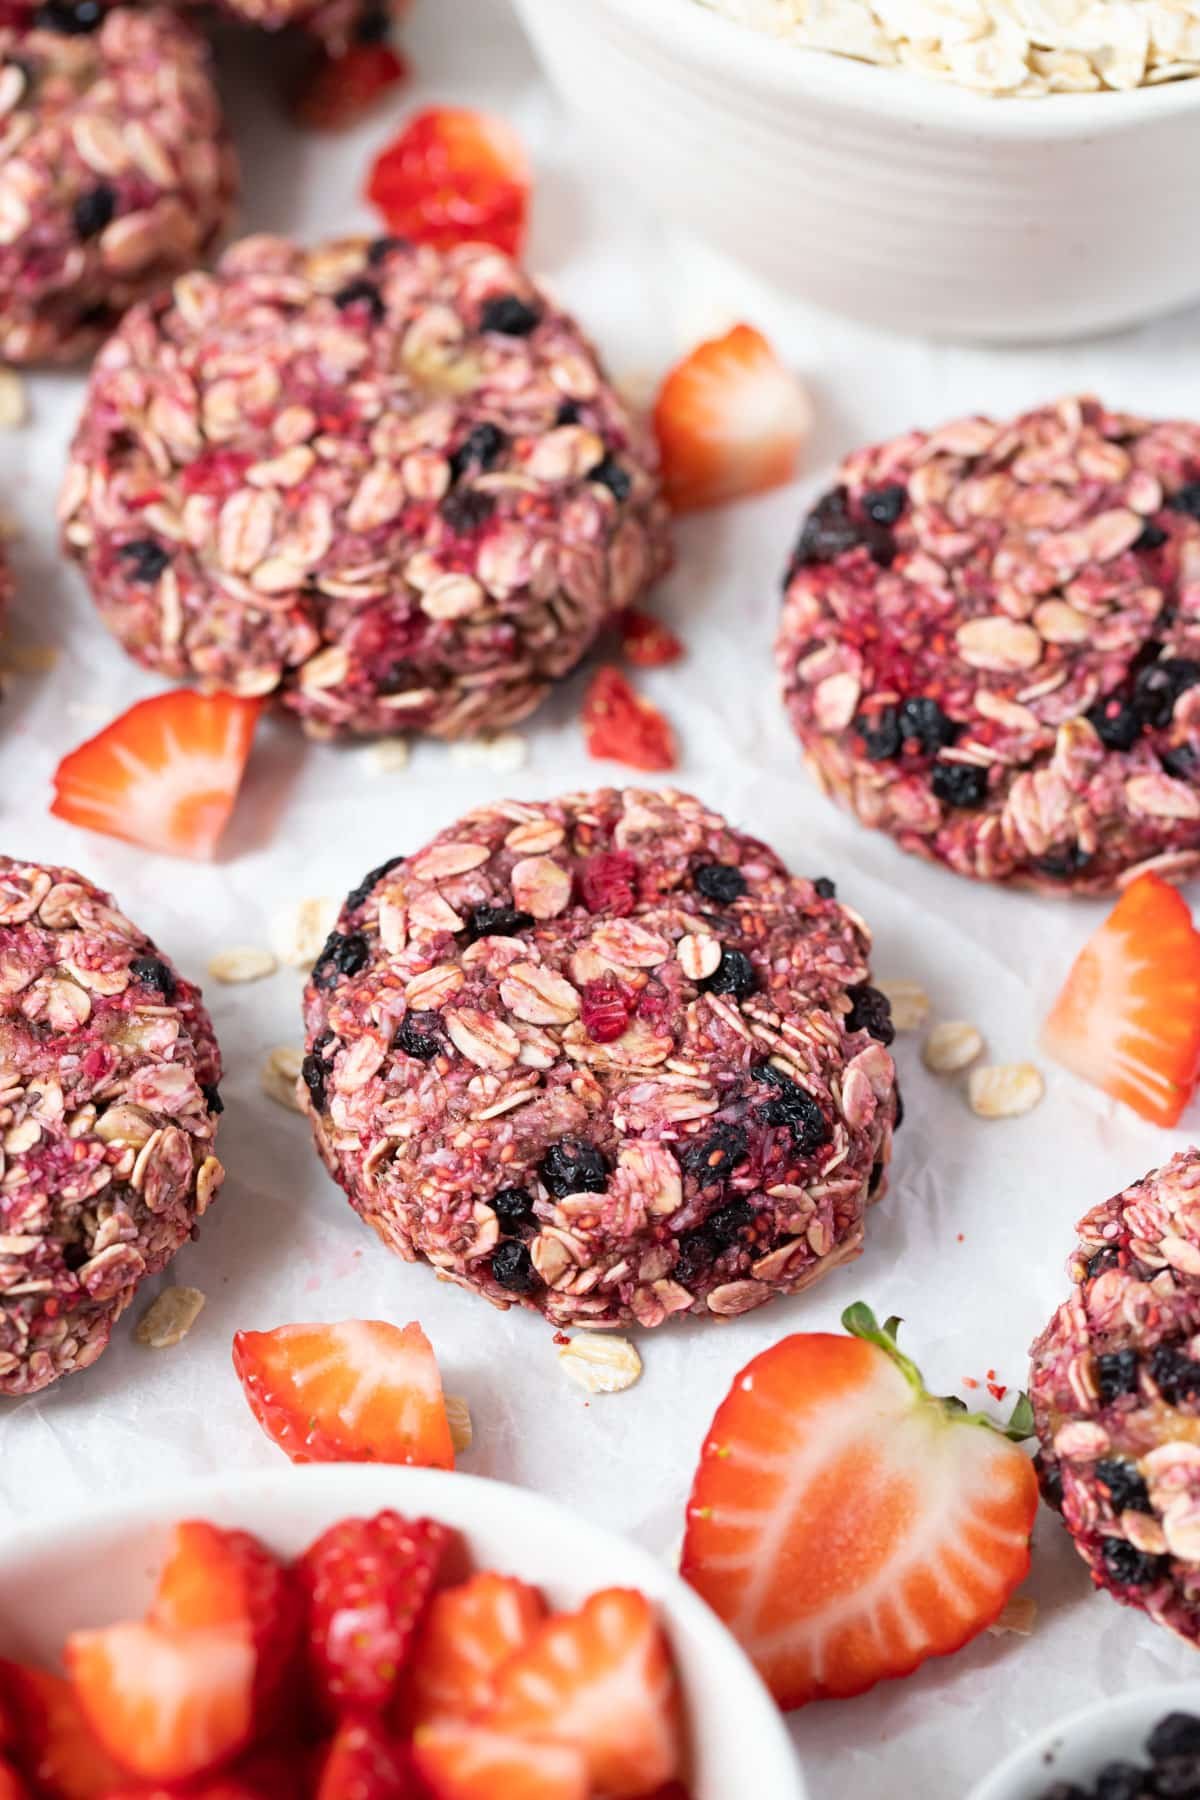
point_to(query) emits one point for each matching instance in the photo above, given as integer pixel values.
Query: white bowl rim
(354, 1488)
(730, 49)
(1151, 1702)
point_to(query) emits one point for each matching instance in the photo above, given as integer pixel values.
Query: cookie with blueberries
(603, 1057)
(115, 171)
(394, 489)
(990, 645)
(1115, 1386)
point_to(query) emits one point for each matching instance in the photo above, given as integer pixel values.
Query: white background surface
(970, 1243)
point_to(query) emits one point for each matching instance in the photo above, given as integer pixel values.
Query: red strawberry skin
(367, 1583)
(364, 1762)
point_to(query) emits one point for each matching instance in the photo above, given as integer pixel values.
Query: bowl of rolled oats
(996, 170)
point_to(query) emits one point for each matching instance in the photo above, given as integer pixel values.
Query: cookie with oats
(603, 1057)
(115, 172)
(108, 1111)
(990, 645)
(389, 486)
(1115, 1386)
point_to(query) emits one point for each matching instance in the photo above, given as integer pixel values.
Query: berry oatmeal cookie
(603, 1057)
(1116, 1394)
(990, 645)
(109, 1108)
(115, 173)
(390, 486)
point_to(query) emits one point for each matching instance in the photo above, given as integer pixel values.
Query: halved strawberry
(731, 420)
(1128, 1016)
(602, 1680)
(459, 1761)
(454, 176)
(359, 1391)
(364, 1763)
(621, 727)
(215, 1577)
(367, 1583)
(169, 1705)
(164, 775)
(469, 1633)
(52, 1743)
(844, 1524)
(335, 92)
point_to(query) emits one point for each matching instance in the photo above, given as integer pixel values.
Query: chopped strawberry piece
(164, 775)
(359, 1391)
(11, 1785)
(601, 1680)
(469, 1633)
(52, 1743)
(608, 882)
(215, 1577)
(647, 642)
(170, 1705)
(363, 1763)
(367, 1583)
(845, 1525)
(731, 420)
(469, 1762)
(605, 1008)
(1128, 1016)
(622, 727)
(335, 92)
(454, 176)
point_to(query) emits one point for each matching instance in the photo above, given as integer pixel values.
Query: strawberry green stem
(861, 1322)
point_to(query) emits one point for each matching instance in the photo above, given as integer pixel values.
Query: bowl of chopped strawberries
(349, 1632)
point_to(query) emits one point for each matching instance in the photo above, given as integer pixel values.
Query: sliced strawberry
(600, 1679)
(731, 420)
(469, 1762)
(367, 1583)
(622, 727)
(335, 92)
(844, 1524)
(170, 1705)
(454, 176)
(164, 775)
(217, 1577)
(469, 1633)
(359, 1391)
(1128, 1016)
(647, 642)
(52, 1743)
(364, 1763)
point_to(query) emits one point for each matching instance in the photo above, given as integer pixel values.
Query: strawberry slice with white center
(460, 1761)
(600, 1679)
(359, 1391)
(731, 420)
(169, 1705)
(469, 1633)
(164, 775)
(1128, 1016)
(845, 1524)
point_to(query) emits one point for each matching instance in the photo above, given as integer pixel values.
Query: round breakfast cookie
(603, 1057)
(115, 173)
(109, 1070)
(388, 485)
(990, 645)
(1115, 1388)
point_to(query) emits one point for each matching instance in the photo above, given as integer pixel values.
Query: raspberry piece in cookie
(605, 1058)
(1115, 1387)
(990, 645)
(412, 499)
(115, 172)
(110, 1069)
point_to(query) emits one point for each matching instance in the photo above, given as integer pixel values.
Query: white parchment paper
(970, 1243)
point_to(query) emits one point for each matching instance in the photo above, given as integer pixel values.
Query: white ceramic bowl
(89, 1569)
(884, 194)
(1077, 1748)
